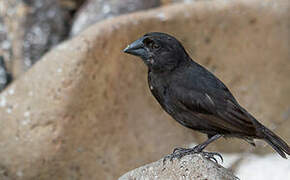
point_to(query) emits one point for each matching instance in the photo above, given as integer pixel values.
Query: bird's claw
(175, 155)
(180, 152)
(178, 149)
(211, 156)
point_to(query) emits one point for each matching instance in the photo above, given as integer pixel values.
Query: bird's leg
(180, 152)
(203, 145)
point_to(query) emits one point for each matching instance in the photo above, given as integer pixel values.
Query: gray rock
(189, 167)
(96, 10)
(29, 28)
(5, 77)
(5, 42)
(46, 25)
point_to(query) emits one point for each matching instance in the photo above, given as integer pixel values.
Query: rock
(5, 77)
(85, 111)
(97, 10)
(32, 28)
(5, 42)
(257, 167)
(5, 53)
(166, 2)
(188, 167)
(270, 166)
(46, 25)
(72, 5)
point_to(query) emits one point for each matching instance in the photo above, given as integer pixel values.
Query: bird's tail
(276, 142)
(271, 138)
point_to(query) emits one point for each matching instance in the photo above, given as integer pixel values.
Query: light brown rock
(85, 111)
(190, 167)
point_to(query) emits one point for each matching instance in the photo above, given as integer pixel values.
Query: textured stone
(97, 10)
(5, 53)
(85, 111)
(5, 77)
(188, 167)
(46, 24)
(30, 29)
(5, 42)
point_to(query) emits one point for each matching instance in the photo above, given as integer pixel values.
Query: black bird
(195, 97)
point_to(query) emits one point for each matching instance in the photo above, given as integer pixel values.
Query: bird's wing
(217, 110)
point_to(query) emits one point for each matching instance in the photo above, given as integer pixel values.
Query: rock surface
(31, 28)
(97, 10)
(188, 167)
(85, 111)
(5, 42)
(271, 166)
(46, 24)
(5, 77)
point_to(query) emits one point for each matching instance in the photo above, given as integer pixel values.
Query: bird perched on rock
(195, 97)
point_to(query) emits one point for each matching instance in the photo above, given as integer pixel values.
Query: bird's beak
(137, 48)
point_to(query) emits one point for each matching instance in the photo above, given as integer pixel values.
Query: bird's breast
(160, 89)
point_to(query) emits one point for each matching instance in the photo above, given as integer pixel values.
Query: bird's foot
(178, 153)
(211, 156)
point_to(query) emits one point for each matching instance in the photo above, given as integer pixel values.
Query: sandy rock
(85, 111)
(189, 167)
(97, 10)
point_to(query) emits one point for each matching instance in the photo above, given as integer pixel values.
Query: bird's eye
(155, 46)
(151, 44)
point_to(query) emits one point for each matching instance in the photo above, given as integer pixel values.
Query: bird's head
(159, 51)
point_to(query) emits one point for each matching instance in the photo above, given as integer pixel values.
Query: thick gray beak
(137, 48)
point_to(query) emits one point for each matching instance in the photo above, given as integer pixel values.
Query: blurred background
(70, 97)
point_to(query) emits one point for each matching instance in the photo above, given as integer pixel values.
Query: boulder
(29, 29)
(188, 167)
(5, 77)
(85, 111)
(5, 43)
(96, 10)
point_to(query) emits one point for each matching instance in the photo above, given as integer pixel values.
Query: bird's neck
(169, 66)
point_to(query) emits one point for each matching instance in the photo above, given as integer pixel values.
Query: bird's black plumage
(193, 96)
